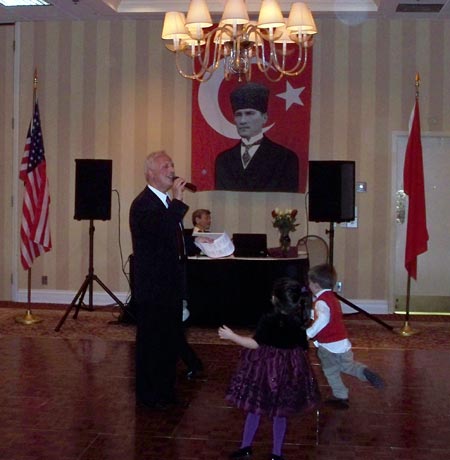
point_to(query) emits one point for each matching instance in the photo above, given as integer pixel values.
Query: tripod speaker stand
(78, 300)
(93, 181)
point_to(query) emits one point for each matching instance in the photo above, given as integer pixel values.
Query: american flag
(35, 229)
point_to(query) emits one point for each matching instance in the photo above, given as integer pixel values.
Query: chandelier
(278, 46)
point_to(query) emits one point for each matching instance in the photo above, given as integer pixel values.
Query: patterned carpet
(433, 332)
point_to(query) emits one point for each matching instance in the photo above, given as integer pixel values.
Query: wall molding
(66, 297)
(374, 307)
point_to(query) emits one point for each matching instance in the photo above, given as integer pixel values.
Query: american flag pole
(35, 80)
(29, 318)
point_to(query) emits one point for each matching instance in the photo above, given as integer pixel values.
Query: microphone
(188, 185)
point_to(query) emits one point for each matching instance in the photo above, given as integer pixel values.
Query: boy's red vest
(335, 329)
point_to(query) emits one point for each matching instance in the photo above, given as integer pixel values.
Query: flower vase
(285, 243)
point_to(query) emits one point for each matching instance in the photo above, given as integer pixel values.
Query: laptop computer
(250, 244)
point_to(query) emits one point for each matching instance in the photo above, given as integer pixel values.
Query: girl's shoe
(244, 452)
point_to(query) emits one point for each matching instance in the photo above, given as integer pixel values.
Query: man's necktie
(180, 237)
(246, 155)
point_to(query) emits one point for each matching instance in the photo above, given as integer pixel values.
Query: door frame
(392, 224)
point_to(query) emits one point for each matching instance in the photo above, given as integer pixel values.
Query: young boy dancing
(331, 339)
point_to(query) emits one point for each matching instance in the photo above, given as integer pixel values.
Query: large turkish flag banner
(213, 129)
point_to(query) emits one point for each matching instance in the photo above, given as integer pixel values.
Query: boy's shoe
(374, 379)
(244, 452)
(337, 403)
(277, 457)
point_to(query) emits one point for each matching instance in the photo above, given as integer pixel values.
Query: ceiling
(72, 10)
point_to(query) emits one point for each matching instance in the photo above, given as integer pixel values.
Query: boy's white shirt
(321, 319)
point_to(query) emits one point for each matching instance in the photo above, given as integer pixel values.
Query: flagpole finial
(35, 82)
(417, 84)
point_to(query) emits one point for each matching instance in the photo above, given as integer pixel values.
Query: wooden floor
(70, 399)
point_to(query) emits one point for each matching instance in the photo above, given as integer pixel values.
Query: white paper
(221, 246)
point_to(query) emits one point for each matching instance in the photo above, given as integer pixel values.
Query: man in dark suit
(256, 163)
(159, 280)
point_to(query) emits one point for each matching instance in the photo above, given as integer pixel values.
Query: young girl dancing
(274, 376)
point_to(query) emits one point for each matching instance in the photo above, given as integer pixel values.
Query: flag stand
(406, 330)
(28, 318)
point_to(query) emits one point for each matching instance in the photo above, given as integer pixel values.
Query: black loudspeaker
(331, 191)
(93, 180)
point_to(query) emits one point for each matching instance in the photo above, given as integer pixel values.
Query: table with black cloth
(237, 291)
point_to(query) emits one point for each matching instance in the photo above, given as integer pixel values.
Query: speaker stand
(88, 283)
(330, 233)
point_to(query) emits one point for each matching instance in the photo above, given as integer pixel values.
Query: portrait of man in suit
(256, 163)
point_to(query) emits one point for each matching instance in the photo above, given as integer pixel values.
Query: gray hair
(149, 160)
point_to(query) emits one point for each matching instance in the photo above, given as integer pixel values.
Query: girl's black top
(281, 331)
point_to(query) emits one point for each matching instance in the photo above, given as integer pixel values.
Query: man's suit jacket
(158, 270)
(273, 168)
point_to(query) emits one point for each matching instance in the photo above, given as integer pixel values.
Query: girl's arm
(247, 342)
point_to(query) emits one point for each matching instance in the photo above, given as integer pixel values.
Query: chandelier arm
(191, 76)
(216, 55)
(266, 68)
(202, 61)
(274, 79)
(261, 62)
(299, 66)
(294, 73)
(301, 61)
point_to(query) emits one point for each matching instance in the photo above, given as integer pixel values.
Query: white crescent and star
(208, 102)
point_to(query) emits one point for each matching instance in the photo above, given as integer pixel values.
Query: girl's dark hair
(288, 298)
(324, 275)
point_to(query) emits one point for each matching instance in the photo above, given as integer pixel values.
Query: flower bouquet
(285, 222)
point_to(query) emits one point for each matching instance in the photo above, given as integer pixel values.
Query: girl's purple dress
(277, 378)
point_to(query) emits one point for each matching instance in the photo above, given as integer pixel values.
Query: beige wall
(105, 94)
(7, 183)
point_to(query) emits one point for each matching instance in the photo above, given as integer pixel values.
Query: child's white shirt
(321, 316)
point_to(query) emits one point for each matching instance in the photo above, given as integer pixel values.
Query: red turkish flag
(414, 185)
(213, 129)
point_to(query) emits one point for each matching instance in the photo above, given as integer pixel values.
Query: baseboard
(374, 307)
(66, 297)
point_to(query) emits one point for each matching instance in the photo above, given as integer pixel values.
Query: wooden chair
(316, 249)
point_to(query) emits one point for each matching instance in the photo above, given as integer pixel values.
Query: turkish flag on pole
(414, 185)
